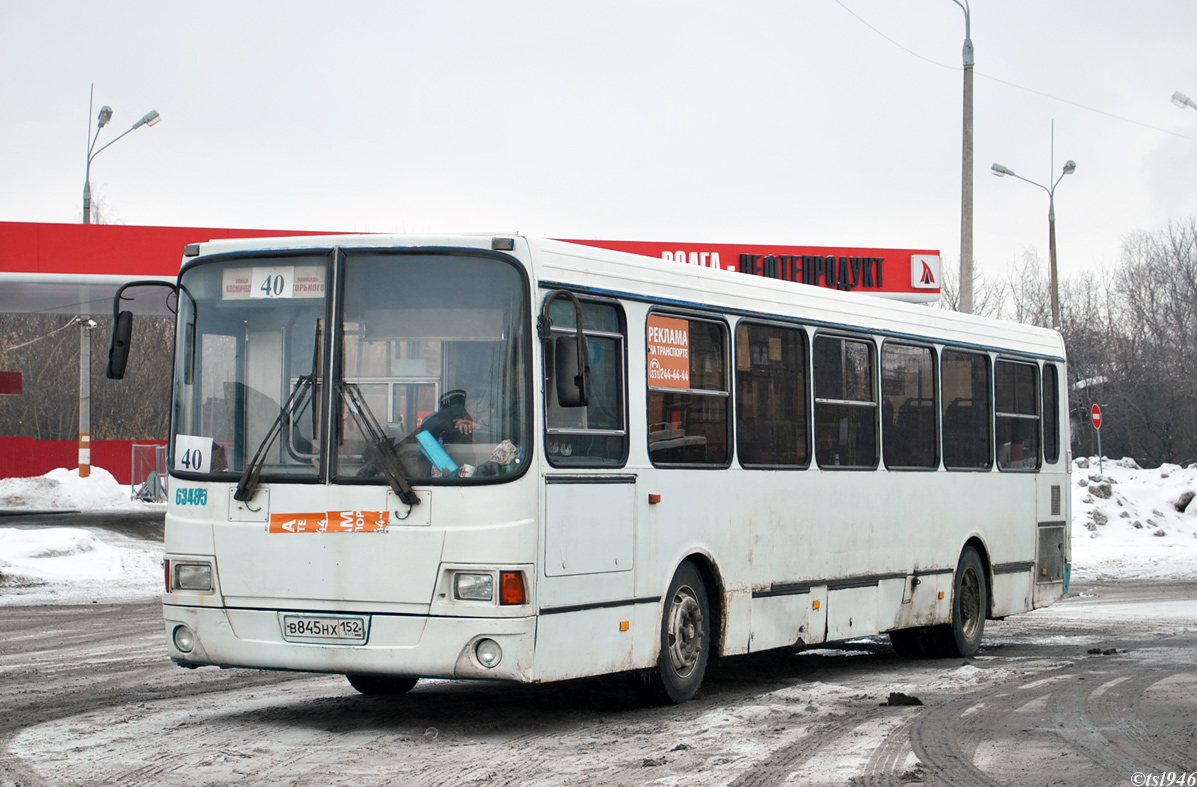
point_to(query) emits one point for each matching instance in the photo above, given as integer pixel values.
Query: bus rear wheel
(382, 685)
(685, 641)
(970, 604)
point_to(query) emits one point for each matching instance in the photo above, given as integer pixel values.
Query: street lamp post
(966, 171)
(1069, 168)
(85, 322)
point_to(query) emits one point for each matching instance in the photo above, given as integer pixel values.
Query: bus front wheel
(382, 685)
(685, 640)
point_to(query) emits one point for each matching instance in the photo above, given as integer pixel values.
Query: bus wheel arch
(717, 599)
(987, 571)
(971, 600)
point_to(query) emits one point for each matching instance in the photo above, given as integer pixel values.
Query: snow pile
(63, 489)
(56, 554)
(1133, 523)
(47, 563)
(69, 565)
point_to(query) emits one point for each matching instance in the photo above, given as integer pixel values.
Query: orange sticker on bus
(331, 522)
(668, 352)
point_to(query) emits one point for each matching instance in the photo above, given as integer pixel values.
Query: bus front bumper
(402, 645)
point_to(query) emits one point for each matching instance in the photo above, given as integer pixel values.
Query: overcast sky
(766, 122)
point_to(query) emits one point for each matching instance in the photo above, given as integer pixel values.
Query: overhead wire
(1014, 85)
(73, 321)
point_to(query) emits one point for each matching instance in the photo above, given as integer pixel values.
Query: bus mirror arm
(571, 360)
(122, 328)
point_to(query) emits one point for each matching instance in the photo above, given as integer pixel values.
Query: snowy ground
(113, 710)
(1126, 525)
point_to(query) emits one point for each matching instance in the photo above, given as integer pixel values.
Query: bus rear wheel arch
(970, 606)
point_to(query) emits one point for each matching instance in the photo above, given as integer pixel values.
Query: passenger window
(1016, 421)
(687, 391)
(845, 402)
(595, 435)
(966, 406)
(1051, 413)
(908, 406)
(771, 396)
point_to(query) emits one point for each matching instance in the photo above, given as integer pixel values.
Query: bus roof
(617, 273)
(645, 278)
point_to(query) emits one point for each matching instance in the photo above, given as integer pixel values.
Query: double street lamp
(1069, 168)
(86, 323)
(148, 119)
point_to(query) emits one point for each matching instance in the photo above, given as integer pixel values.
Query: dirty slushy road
(1093, 691)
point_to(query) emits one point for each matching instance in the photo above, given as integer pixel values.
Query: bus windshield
(436, 347)
(429, 354)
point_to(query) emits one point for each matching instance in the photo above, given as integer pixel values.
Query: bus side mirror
(122, 326)
(571, 373)
(118, 350)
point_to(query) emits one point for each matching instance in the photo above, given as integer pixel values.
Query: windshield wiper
(248, 484)
(382, 448)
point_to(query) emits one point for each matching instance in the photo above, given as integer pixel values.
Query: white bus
(502, 457)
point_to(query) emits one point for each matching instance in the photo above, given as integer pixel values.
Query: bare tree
(45, 350)
(1153, 347)
(1028, 291)
(987, 299)
(138, 406)
(1090, 334)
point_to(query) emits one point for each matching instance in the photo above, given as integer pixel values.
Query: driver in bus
(462, 418)
(455, 422)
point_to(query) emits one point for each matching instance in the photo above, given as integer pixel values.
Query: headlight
(193, 576)
(473, 587)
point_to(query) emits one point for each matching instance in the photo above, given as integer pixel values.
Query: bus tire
(685, 640)
(382, 686)
(970, 603)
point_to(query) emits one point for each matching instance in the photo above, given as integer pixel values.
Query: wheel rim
(970, 603)
(686, 631)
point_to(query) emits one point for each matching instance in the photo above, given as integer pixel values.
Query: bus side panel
(589, 528)
(596, 641)
(1011, 593)
(819, 527)
(779, 621)
(852, 612)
